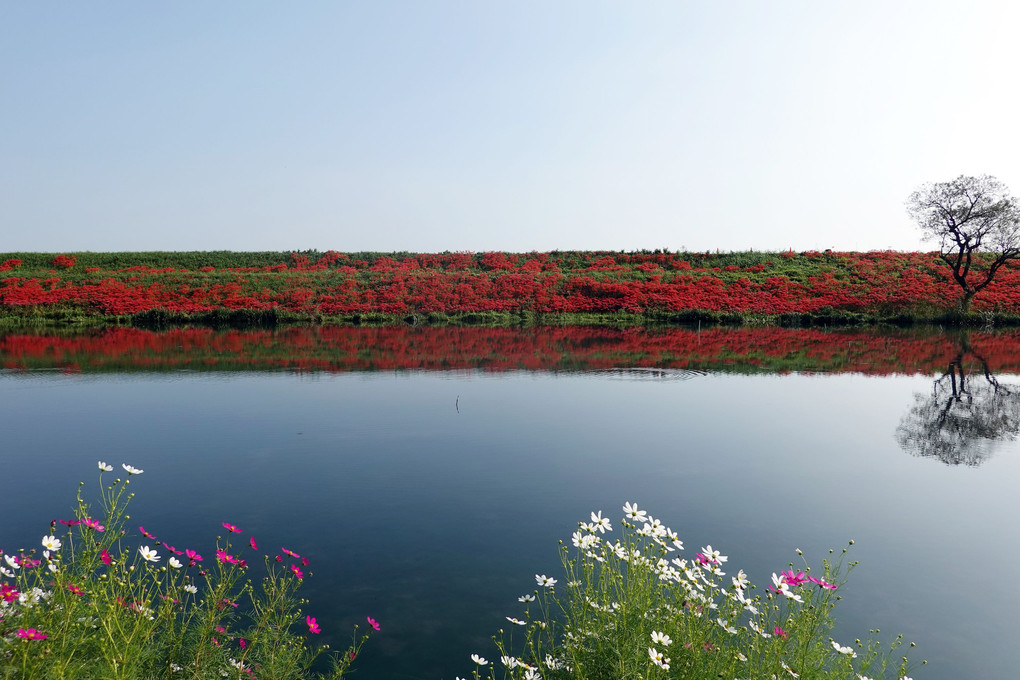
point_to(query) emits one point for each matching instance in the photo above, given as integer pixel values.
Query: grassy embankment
(224, 288)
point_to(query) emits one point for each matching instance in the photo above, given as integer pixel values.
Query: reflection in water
(965, 414)
(344, 349)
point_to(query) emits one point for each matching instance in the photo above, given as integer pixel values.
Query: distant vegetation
(495, 288)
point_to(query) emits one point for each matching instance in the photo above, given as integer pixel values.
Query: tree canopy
(976, 222)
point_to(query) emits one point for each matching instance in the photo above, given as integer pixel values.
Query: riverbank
(240, 289)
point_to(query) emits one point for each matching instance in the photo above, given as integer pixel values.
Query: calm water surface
(428, 500)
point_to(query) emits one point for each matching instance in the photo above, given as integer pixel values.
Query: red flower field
(338, 284)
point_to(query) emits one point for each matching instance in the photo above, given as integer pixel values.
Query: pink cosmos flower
(70, 522)
(75, 590)
(304, 561)
(780, 632)
(172, 549)
(297, 572)
(822, 583)
(192, 555)
(231, 528)
(372, 622)
(31, 634)
(291, 553)
(93, 524)
(105, 557)
(223, 556)
(146, 533)
(794, 579)
(8, 593)
(241, 642)
(251, 542)
(313, 627)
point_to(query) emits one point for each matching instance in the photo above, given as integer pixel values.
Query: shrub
(634, 608)
(98, 604)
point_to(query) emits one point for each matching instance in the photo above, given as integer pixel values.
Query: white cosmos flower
(526, 598)
(600, 523)
(632, 513)
(532, 674)
(148, 554)
(740, 580)
(797, 675)
(51, 543)
(481, 661)
(175, 563)
(545, 581)
(848, 651)
(52, 567)
(131, 470)
(713, 555)
(661, 638)
(726, 626)
(8, 574)
(515, 621)
(191, 589)
(11, 562)
(510, 661)
(103, 467)
(658, 659)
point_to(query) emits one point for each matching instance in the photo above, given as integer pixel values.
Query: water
(429, 499)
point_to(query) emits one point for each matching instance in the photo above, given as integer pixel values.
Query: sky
(470, 125)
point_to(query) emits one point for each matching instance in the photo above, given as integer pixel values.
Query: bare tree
(977, 224)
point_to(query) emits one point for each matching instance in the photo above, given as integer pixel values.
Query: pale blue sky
(480, 125)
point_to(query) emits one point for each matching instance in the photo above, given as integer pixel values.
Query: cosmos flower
(148, 554)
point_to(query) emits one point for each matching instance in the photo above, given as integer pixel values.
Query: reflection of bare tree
(964, 416)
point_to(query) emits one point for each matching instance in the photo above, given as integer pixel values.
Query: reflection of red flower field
(501, 349)
(540, 282)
